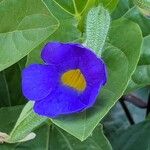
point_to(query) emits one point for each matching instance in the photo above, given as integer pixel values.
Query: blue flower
(68, 82)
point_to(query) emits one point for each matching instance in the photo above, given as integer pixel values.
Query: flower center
(74, 79)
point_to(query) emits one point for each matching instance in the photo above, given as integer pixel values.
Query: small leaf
(3, 137)
(26, 123)
(29, 137)
(97, 26)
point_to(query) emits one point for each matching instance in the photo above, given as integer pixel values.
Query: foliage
(133, 135)
(116, 30)
(45, 135)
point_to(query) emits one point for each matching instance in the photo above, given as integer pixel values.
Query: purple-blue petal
(52, 97)
(75, 56)
(61, 101)
(56, 53)
(38, 81)
(90, 95)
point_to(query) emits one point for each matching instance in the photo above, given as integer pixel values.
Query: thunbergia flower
(68, 82)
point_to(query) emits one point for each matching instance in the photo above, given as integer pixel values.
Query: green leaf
(115, 121)
(134, 15)
(67, 30)
(10, 78)
(22, 28)
(97, 26)
(141, 76)
(72, 8)
(143, 6)
(4, 93)
(122, 7)
(45, 136)
(121, 58)
(26, 123)
(109, 4)
(97, 141)
(8, 116)
(135, 137)
(126, 9)
(66, 15)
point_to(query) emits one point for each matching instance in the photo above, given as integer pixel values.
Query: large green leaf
(24, 25)
(136, 137)
(45, 136)
(141, 76)
(68, 21)
(121, 58)
(67, 14)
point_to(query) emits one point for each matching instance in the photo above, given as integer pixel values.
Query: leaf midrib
(30, 29)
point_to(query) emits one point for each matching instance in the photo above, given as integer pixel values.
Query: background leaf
(117, 120)
(135, 137)
(144, 22)
(10, 82)
(141, 76)
(109, 4)
(22, 28)
(122, 7)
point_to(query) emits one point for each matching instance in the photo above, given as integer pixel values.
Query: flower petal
(90, 95)
(62, 101)
(55, 52)
(96, 78)
(58, 91)
(93, 68)
(38, 81)
(69, 56)
(75, 56)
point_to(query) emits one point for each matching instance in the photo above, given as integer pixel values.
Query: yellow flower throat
(74, 79)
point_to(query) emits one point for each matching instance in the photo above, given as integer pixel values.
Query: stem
(127, 112)
(135, 101)
(148, 105)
